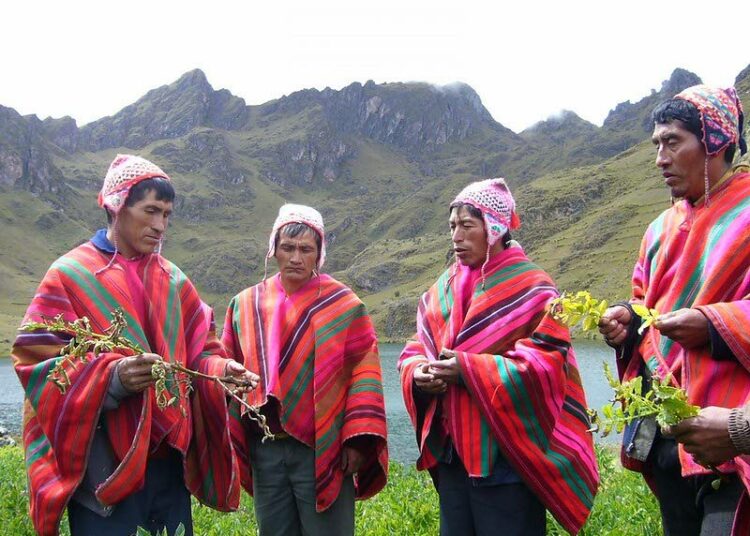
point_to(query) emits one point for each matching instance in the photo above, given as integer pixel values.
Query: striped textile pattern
(316, 353)
(58, 428)
(698, 257)
(522, 395)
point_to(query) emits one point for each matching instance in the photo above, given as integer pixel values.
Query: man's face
(468, 236)
(297, 257)
(681, 157)
(140, 227)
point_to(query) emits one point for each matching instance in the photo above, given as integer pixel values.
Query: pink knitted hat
(493, 199)
(291, 213)
(125, 171)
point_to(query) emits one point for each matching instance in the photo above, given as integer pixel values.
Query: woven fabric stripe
(58, 428)
(522, 391)
(327, 376)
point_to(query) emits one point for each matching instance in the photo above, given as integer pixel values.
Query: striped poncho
(522, 395)
(58, 428)
(316, 353)
(698, 256)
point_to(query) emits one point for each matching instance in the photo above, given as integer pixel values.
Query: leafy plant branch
(168, 376)
(664, 402)
(581, 308)
(667, 404)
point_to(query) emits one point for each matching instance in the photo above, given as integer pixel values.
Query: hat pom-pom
(515, 221)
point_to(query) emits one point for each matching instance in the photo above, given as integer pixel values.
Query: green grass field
(408, 505)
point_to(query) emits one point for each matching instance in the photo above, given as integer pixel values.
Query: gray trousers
(284, 492)
(689, 505)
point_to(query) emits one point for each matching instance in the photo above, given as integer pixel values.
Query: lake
(402, 443)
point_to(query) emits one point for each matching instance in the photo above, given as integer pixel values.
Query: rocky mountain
(26, 154)
(564, 138)
(165, 113)
(567, 140)
(628, 122)
(381, 162)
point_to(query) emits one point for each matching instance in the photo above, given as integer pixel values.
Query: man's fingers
(431, 383)
(422, 377)
(678, 430)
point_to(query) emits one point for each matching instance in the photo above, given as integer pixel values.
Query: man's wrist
(739, 430)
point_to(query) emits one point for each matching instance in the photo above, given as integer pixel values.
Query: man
(693, 268)
(103, 447)
(492, 386)
(314, 347)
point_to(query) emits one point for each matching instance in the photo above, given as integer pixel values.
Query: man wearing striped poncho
(313, 345)
(104, 448)
(694, 269)
(492, 386)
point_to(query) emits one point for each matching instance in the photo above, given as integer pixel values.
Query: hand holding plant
(167, 376)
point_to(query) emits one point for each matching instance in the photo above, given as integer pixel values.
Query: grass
(408, 505)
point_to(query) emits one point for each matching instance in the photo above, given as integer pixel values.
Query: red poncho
(316, 353)
(698, 256)
(58, 428)
(522, 394)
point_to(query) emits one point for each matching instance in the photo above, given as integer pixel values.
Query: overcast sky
(527, 60)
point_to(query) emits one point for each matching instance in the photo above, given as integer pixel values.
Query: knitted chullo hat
(493, 199)
(291, 213)
(125, 171)
(721, 116)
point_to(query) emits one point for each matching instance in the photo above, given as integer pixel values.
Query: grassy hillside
(385, 204)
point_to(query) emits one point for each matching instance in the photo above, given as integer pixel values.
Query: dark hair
(162, 188)
(293, 230)
(473, 211)
(686, 112)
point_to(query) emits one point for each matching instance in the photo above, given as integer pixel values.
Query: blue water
(402, 443)
(401, 438)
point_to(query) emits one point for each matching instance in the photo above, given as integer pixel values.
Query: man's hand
(351, 460)
(135, 371)
(687, 327)
(247, 380)
(706, 436)
(614, 324)
(426, 381)
(446, 369)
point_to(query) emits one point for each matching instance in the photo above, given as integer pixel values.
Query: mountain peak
(169, 111)
(413, 116)
(194, 77)
(561, 120)
(632, 121)
(679, 79)
(416, 116)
